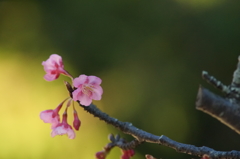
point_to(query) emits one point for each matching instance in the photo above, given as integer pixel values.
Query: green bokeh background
(149, 54)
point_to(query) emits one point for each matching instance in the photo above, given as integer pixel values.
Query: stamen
(88, 89)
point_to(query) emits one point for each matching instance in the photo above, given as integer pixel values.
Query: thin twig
(216, 83)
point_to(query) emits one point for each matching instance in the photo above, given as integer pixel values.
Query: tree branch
(143, 136)
(227, 110)
(222, 109)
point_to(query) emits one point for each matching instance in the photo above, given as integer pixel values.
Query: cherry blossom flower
(54, 67)
(52, 116)
(47, 117)
(88, 88)
(63, 128)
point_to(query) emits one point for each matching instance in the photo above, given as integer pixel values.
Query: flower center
(87, 89)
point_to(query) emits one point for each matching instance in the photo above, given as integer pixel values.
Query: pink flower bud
(100, 155)
(127, 154)
(76, 121)
(54, 67)
(88, 89)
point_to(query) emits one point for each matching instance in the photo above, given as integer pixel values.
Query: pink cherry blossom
(88, 88)
(54, 67)
(63, 128)
(52, 116)
(48, 117)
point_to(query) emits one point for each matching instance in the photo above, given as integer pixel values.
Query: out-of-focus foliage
(149, 54)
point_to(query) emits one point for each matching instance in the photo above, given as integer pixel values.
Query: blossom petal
(62, 129)
(71, 134)
(46, 116)
(50, 77)
(48, 66)
(56, 58)
(97, 93)
(58, 130)
(76, 93)
(79, 80)
(85, 100)
(94, 80)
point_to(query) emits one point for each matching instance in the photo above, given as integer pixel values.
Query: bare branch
(227, 110)
(121, 143)
(143, 136)
(222, 109)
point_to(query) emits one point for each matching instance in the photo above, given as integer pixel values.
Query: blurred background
(150, 56)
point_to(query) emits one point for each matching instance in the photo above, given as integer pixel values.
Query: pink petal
(85, 100)
(48, 66)
(97, 94)
(50, 63)
(94, 80)
(76, 94)
(46, 116)
(56, 58)
(62, 129)
(51, 77)
(58, 130)
(79, 80)
(71, 134)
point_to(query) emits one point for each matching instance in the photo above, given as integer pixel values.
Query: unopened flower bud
(76, 121)
(100, 155)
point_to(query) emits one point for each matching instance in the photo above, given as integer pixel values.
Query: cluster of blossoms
(85, 89)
